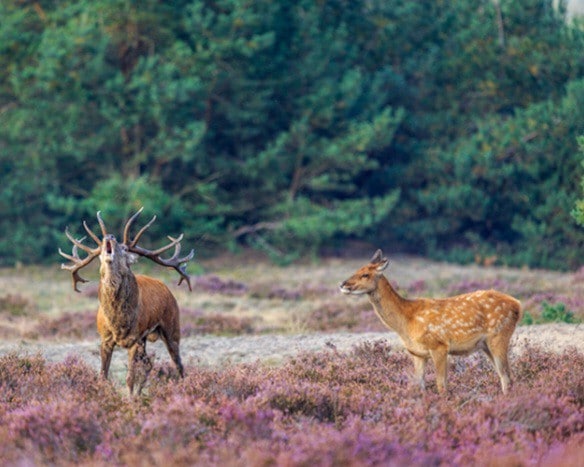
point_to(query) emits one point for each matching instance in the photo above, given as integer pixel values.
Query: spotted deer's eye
(365, 276)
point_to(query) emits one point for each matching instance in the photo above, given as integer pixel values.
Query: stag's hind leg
(172, 345)
(498, 350)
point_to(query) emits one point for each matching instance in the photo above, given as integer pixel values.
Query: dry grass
(235, 295)
(317, 407)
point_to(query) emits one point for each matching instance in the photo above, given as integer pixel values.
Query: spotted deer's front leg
(419, 368)
(440, 358)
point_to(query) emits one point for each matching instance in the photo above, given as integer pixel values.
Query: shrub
(551, 313)
(195, 322)
(329, 408)
(15, 305)
(78, 325)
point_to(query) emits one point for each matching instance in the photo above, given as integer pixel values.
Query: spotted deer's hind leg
(497, 347)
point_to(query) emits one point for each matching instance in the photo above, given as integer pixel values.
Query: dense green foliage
(578, 212)
(437, 127)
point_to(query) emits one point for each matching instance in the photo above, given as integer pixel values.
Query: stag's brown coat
(132, 308)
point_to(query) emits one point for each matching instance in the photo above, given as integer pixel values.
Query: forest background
(443, 128)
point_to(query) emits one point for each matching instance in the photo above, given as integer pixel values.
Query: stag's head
(117, 257)
(365, 279)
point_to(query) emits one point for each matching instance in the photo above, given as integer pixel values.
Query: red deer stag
(433, 328)
(132, 308)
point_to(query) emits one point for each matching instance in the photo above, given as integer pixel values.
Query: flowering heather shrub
(305, 291)
(274, 292)
(91, 290)
(78, 325)
(55, 413)
(416, 288)
(59, 430)
(214, 284)
(357, 316)
(196, 322)
(317, 291)
(578, 276)
(322, 409)
(13, 305)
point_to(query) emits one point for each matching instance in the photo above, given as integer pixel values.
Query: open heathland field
(282, 369)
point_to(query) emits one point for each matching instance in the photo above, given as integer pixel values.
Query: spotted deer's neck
(389, 306)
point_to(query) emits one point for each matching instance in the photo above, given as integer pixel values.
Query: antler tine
(77, 243)
(134, 241)
(101, 224)
(129, 224)
(178, 264)
(174, 242)
(78, 263)
(174, 258)
(91, 234)
(141, 231)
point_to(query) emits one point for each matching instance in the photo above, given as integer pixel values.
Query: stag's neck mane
(118, 299)
(391, 308)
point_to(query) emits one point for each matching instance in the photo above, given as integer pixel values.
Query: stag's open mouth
(108, 250)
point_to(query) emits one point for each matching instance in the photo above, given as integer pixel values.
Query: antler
(176, 262)
(92, 253)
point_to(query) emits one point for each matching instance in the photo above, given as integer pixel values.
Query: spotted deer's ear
(377, 257)
(379, 261)
(381, 265)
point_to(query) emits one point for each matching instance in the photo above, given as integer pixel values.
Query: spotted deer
(132, 308)
(433, 328)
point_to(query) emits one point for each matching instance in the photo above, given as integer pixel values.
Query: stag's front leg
(106, 349)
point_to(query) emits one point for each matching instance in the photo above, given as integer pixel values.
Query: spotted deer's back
(470, 316)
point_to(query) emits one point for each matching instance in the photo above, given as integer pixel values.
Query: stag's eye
(365, 276)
